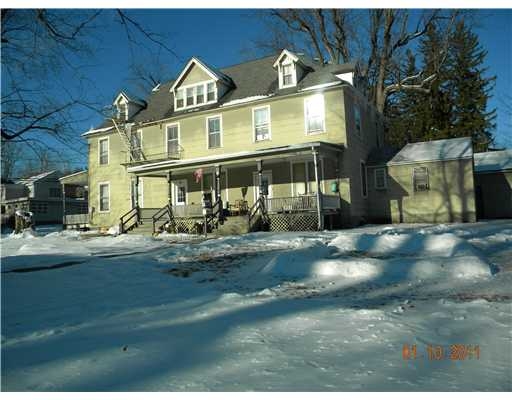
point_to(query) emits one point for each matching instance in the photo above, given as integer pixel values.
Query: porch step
(142, 229)
(236, 225)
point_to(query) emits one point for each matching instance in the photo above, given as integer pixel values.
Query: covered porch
(276, 184)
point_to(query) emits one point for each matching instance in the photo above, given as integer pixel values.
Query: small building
(423, 182)
(493, 184)
(42, 195)
(75, 205)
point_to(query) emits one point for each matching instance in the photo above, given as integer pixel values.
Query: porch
(272, 190)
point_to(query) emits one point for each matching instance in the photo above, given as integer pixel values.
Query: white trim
(175, 184)
(227, 183)
(166, 136)
(208, 133)
(107, 138)
(362, 163)
(291, 178)
(204, 84)
(184, 71)
(319, 132)
(289, 54)
(255, 187)
(375, 179)
(322, 175)
(99, 197)
(267, 106)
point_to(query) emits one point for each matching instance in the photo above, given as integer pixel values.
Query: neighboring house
(40, 194)
(75, 204)
(423, 182)
(299, 130)
(493, 184)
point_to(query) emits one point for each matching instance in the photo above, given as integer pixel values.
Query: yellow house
(276, 143)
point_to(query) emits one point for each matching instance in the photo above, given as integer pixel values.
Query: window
(180, 192)
(214, 131)
(190, 96)
(55, 192)
(314, 112)
(200, 94)
(103, 151)
(195, 95)
(364, 187)
(357, 119)
(122, 111)
(288, 74)
(261, 123)
(380, 178)
(136, 144)
(420, 179)
(212, 94)
(104, 197)
(179, 99)
(173, 140)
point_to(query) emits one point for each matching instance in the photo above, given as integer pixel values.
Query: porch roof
(159, 168)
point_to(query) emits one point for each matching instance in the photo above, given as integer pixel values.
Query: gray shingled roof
(436, 150)
(252, 78)
(493, 161)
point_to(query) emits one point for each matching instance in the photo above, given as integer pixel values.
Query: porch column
(64, 206)
(259, 166)
(319, 205)
(137, 191)
(169, 188)
(217, 182)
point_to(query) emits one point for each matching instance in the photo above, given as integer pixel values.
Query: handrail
(165, 210)
(123, 224)
(259, 205)
(215, 216)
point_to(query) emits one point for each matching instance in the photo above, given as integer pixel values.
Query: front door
(180, 192)
(266, 178)
(141, 193)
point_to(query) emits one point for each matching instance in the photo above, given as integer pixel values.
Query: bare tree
(43, 87)
(334, 36)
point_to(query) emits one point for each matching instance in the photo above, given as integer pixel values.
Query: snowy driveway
(290, 311)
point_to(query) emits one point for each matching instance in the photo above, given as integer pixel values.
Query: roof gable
(211, 72)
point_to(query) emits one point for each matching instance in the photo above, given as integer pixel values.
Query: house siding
(451, 196)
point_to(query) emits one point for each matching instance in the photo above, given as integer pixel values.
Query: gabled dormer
(199, 85)
(289, 68)
(126, 106)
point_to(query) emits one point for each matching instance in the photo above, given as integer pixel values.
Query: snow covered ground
(263, 311)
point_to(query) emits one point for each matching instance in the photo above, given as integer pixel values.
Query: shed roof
(436, 150)
(493, 161)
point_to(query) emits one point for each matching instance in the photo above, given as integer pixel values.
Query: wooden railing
(298, 203)
(258, 210)
(129, 220)
(165, 215)
(215, 217)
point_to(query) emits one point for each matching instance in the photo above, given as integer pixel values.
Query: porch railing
(129, 220)
(297, 203)
(162, 217)
(154, 153)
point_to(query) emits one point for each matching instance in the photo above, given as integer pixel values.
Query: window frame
(101, 139)
(166, 136)
(100, 184)
(207, 119)
(176, 185)
(358, 118)
(306, 125)
(194, 86)
(269, 123)
(364, 182)
(138, 131)
(292, 64)
(414, 186)
(385, 186)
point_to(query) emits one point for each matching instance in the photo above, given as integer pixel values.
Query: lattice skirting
(187, 225)
(294, 222)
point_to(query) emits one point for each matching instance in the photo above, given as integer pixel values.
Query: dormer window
(199, 84)
(290, 69)
(194, 95)
(288, 72)
(122, 111)
(126, 107)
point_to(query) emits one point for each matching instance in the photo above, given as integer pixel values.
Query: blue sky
(219, 37)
